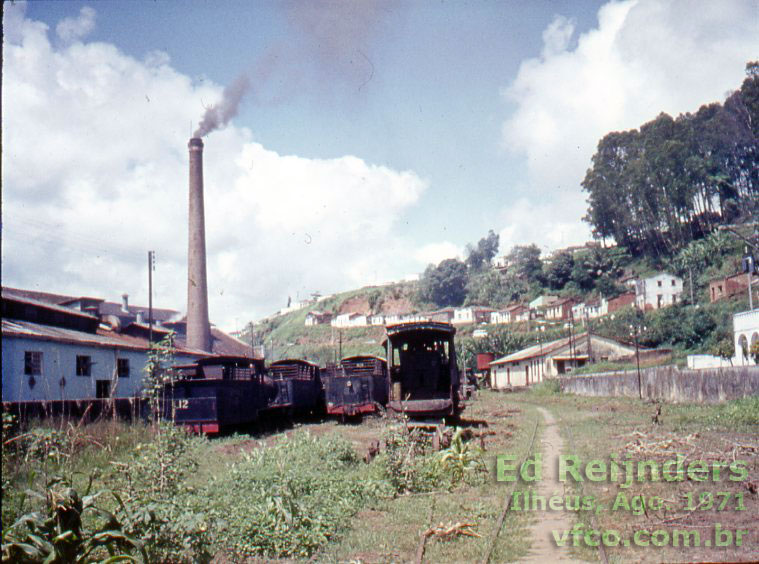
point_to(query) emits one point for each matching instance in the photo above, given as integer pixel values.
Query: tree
(494, 288)
(657, 188)
(559, 272)
(525, 263)
(482, 253)
(445, 284)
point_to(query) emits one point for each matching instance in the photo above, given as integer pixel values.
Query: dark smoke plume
(219, 114)
(332, 40)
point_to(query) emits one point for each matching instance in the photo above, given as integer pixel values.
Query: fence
(669, 383)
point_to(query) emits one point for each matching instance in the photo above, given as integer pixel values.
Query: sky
(373, 138)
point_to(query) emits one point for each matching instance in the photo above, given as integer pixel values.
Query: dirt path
(543, 548)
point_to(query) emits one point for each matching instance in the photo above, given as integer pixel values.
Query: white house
(658, 291)
(392, 319)
(377, 319)
(471, 314)
(542, 301)
(746, 335)
(499, 317)
(499, 263)
(349, 320)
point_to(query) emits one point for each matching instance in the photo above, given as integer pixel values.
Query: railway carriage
(423, 375)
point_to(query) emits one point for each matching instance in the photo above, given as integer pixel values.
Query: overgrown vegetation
(158, 500)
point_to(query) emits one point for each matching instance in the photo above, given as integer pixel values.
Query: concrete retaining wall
(670, 384)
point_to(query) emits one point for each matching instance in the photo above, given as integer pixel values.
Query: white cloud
(643, 58)
(433, 253)
(95, 175)
(73, 29)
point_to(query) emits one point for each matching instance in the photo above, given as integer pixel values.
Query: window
(32, 363)
(102, 389)
(122, 367)
(83, 364)
(658, 282)
(673, 281)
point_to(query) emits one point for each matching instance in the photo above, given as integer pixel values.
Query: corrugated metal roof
(11, 297)
(12, 327)
(103, 338)
(41, 296)
(534, 351)
(539, 350)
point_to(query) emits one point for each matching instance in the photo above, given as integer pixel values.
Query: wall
(59, 361)
(745, 331)
(670, 384)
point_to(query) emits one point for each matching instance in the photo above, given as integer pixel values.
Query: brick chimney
(198, 326)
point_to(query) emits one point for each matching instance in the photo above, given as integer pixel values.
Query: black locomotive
(298, 387)
(217, 392)
(421, 380)
(358, 385)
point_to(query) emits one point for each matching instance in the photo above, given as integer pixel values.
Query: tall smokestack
(198, 326)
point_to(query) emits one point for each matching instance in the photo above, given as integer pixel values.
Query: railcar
(297, 387)
(358, 385)
(423, 374)
(216, 393)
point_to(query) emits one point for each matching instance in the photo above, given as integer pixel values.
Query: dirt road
(543, 548)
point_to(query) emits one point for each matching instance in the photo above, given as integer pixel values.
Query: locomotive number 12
(182, 404)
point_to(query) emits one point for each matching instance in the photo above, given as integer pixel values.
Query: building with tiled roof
(554, 359)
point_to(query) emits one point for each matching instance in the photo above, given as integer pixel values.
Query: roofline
(50, 306)
(400, 328)
(291, 360)
(69, 341)
(374, 356)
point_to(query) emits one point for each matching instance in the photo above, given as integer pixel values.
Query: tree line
(674, 180)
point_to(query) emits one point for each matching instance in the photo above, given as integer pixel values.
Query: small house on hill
(471, 314)
(656, 292)
(554, 359)
(318, 318)
(729, 286)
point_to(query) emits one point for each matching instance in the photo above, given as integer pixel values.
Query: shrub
(462, 462)
(407, 463)
(156, 504)
(546, 387)
(289, 499)
(58, 536)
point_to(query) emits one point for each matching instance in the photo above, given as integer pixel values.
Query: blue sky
(376, 137)
(429, 100)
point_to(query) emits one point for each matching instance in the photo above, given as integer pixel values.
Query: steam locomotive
(420, 379)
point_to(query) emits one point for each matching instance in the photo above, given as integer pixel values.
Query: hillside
(587, 274)
(286, 336)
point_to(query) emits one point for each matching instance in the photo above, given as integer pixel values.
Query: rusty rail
(502, 517)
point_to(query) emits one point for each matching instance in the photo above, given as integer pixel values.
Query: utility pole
(590, 335)
(690, 271)
(749, 265)
(151, 268)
